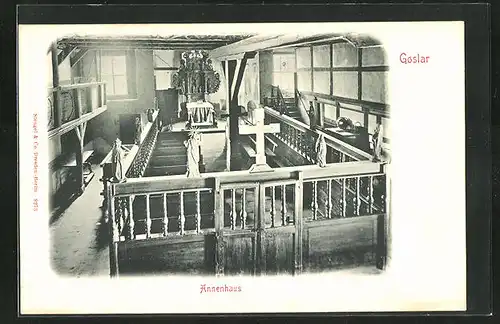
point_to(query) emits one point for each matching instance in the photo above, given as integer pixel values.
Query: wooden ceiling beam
(67, 51)
(253, 44)
(185, 46)
(78, 56)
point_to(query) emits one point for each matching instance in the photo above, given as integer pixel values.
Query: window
(283, 71)
(114, 73)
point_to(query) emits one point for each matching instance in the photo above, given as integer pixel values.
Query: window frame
(129, 73)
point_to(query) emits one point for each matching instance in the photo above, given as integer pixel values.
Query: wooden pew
(88, 174)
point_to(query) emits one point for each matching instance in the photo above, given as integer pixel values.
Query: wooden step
(165, 143)
(165, 160)
(154, 171)
(169, 150)
(179, 136)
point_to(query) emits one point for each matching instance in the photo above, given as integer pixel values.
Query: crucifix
(259, 129)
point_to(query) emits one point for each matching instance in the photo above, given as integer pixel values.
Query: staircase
(284, 103)
(169, 155)
(291, 108)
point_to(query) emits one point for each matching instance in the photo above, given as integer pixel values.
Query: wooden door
(168, 103)
(237, 236)
(279, 233)
(269, 240)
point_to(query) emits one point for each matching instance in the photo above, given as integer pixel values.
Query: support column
(233, 113)
(80, 181)
(55, 84)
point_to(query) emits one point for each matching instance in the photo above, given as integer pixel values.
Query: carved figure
(117, 161)
(321, 151)
(377, 139)
(138, 130)
(193, 154)
(312, 116)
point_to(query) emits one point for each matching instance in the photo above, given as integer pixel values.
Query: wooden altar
(196, 79)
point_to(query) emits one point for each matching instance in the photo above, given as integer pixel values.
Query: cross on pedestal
(259, 129)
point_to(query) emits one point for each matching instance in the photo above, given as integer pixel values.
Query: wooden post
(337, 109)
(219, 226)
(55, 85)
(299, 225)
(233, 113)
(114, 236)
(80, 134)
(260, 260)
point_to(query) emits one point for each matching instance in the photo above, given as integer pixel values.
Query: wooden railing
(299, 137)
(72, 105)
(276, 100)
(136, 159)
(223, 201)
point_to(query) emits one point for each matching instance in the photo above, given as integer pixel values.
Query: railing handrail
(331, 141)
(132, 148)
(149, 185)
(299, 96)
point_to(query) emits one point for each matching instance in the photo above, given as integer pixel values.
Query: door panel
(278, 251)
(240, 253)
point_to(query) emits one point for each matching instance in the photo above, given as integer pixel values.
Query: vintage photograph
(246, 167)
(234, 154)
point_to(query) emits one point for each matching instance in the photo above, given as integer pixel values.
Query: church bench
(251, 152)
(88, 175)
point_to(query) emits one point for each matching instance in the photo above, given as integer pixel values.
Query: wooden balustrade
(148, 215)
(136, 159)
(148, 142)
(72, 105)
(342, 195)
(302, 140)
(239, 202)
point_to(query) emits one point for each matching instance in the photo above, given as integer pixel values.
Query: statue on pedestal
(117, 161)
(377, 139)
(138, 130)
(193, 154)
(312, 117)
(321, 151)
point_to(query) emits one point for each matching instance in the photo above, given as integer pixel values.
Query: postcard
(242, 168)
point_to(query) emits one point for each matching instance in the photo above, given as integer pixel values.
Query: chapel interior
(122, 88)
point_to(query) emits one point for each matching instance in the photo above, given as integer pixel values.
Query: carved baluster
(329, 199)
(286, 132)
(307, 148)
(120, 218)
(165, 217)
(383, 202)
(243, 209)
(273, 205)
(357, 199)
(286, 136)
(303, 143)
(233, 208)
(342, 157)
(131, 223)
(370, 195)
(198, 212)
(148, 217)
(118, 211)
(182, 217)
(294, 139)
(314, 202)
(283, 205)
(343, 201)
(114, 224)
(298, 136)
